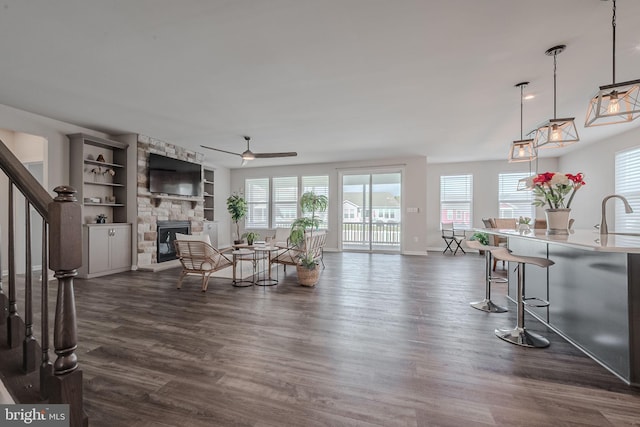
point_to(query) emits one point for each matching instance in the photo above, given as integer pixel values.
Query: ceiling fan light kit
(617, 102)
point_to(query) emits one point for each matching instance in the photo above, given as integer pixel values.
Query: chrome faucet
(603, 223)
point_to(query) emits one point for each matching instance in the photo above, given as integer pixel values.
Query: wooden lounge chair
(200, 258)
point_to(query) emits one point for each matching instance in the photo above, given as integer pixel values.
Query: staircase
(26, 370)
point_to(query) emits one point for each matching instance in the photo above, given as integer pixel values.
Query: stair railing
(60, 381)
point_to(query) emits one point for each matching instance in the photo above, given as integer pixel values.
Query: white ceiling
(330, 79)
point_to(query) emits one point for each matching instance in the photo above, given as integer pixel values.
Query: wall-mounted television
(173, 176)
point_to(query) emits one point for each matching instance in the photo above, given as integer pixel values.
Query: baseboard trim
(415, 253)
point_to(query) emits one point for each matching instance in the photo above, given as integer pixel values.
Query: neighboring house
(385, 207)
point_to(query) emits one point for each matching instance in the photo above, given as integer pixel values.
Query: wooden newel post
(65, 257)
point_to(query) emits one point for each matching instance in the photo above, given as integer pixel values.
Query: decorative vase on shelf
(557, 221)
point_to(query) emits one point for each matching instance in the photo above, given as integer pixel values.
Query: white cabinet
(107, 249)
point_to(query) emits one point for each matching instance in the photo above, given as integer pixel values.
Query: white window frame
(319, 184)
(627, 184)
(457, 191)
(283, 199)
(257, 203)
(508, 194)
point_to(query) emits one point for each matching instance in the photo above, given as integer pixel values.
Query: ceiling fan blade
(222, 151)
(272, 155)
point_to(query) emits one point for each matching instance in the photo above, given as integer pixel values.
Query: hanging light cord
(555, 67)
(521, 95)
(613, 25)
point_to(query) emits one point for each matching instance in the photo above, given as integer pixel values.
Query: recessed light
(529, 96)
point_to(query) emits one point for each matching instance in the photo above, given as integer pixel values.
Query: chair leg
(205, 281)
(486, 304)
(182, 276)
(520, 335)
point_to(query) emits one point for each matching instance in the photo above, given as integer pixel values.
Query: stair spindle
(15, 324)
(29, 347)
(46, 367)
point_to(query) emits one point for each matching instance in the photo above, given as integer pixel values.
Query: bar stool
(520, 335)
(486, 304)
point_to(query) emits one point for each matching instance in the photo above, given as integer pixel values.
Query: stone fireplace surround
(151, 210)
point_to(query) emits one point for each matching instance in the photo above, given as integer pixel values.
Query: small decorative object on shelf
(100, 158)
(101, 219)
(524, 223)
(109, 199)
(551, 189)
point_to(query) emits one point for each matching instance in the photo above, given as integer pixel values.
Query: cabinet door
(99, 248)
(120, 246)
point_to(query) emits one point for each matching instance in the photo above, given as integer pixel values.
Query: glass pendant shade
(556, 133)
(522, 151)
(617, 103)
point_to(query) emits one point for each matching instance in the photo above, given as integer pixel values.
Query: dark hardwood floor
(382, 340)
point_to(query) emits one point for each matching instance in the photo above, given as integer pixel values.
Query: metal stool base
(522, 337)
(488, 306)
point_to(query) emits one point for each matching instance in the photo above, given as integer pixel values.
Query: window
(285, 201)
(628, 185)
(456, 198)
(511, 202)
(257, 195)
(320, 186)
(273, 202)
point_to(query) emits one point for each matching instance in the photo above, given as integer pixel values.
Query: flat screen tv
(173, 176)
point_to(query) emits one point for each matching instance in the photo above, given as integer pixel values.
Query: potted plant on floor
(237, 207)
(307, 267)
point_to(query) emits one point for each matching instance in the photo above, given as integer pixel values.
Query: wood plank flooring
(382, 340)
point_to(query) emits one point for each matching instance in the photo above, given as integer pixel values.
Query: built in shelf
(97, 163)
(107, 184)
(159, 198)
(113, 205)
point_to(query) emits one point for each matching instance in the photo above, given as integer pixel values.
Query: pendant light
(617, 102)
(522, 150)
(556, 133)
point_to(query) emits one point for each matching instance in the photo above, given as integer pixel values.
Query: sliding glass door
(371, 211)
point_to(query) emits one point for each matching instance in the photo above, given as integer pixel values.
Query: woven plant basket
(307, 277)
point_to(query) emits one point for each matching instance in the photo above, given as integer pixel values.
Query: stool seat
(475, 244)
(520, 335)
(503, 254)
(486, 304)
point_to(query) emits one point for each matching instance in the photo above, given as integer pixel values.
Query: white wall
(485, 189)
(414, 235)
(222, 185)
(597, 162)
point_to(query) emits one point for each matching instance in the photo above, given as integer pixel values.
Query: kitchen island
(593, 290)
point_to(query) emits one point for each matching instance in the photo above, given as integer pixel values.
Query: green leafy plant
(481, 237)
(251, 237)
(524, 220)
(310, 204)
(237, 207)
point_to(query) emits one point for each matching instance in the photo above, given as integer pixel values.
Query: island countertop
(583, 239)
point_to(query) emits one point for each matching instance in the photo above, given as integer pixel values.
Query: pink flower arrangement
(552, 188)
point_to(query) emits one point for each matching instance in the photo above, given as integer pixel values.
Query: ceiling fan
(250, 155)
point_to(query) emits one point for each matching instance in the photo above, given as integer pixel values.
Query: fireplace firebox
(166, 235)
